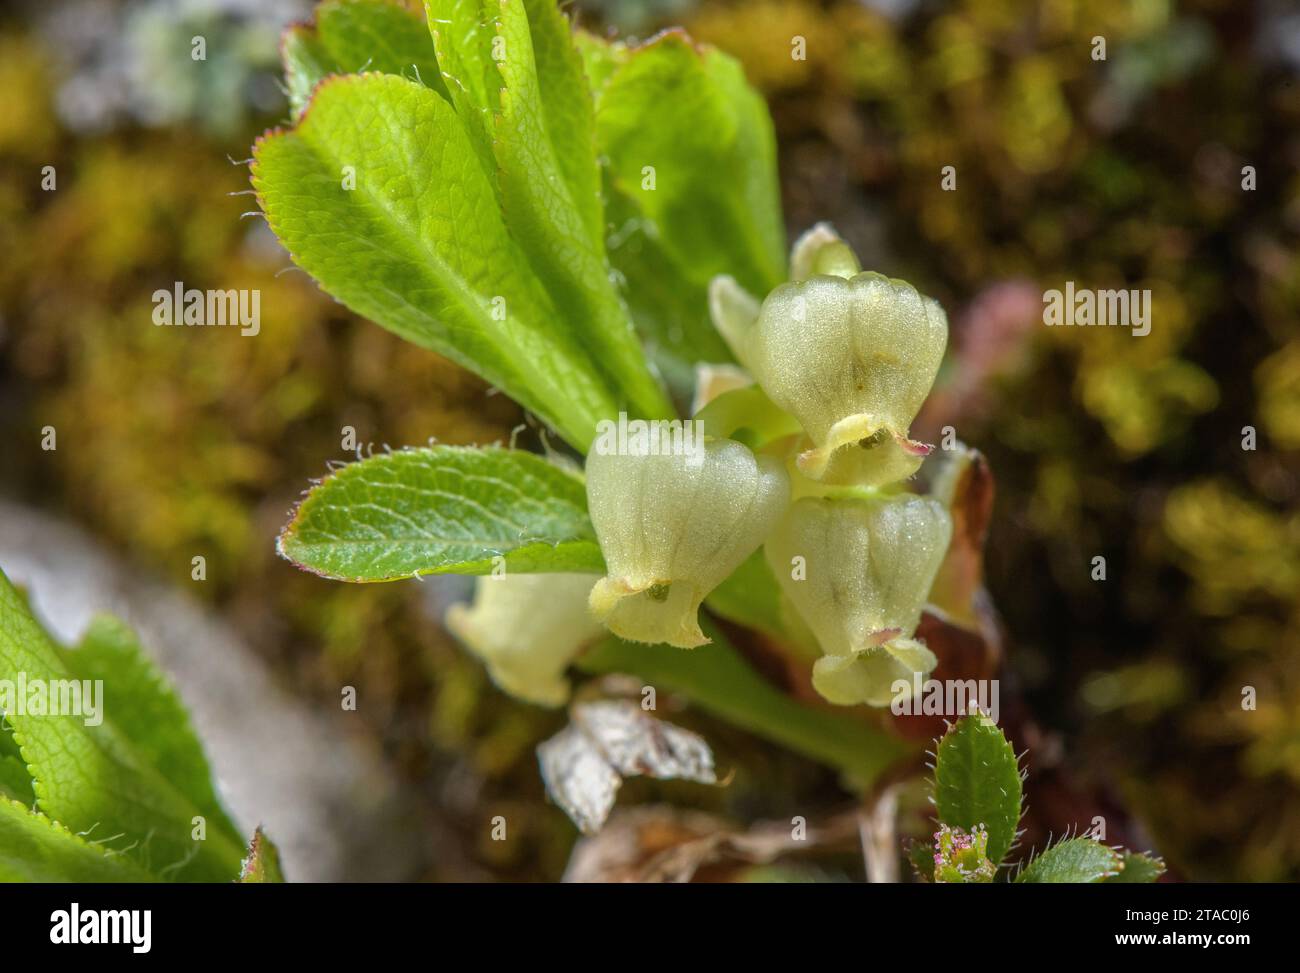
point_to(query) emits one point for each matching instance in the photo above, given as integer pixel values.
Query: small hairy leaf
(673, 234)
(262, 866)
(35, 849)
(443, 510)
(463, 34)
(920, 855)
(352, 36)
(147, 710)
(547, 115)
(419, 244)
(1076, 860)
(91, 777)
(545, 146)
(977, 782)
(1137, 868)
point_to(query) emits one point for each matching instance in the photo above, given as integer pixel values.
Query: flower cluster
(837, 363)
(804, 451)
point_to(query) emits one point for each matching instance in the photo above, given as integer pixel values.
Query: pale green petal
(672, 528)
(818, 250)
(857, 571)
(713, 380)
(734, 311)
(870, 676)
(527, 628)
(853, 360)
(862, 451)
(658, 613)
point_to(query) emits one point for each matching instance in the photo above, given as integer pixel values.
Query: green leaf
(147, 710)
(463, 34)
(35, 849)
(419, 244)
(1137, 869)
(306, 63)
(920, 855)
(547, 115)
(669, 241)
(667, 301)
(718, 680)
(15, 781)
(718, 124)
(262, 866)
(545, 147)
(353, 36)
(977, 782)
(91, 778)
(1076, 860)
(600, 58)
(542, 140)
(444, 510)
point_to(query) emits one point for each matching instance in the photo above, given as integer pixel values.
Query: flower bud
(821, 251)
(527, 628)
(672, 528)
(962, 857)
(852, 358)
(712, 381)
(857, 571)
(734, 312)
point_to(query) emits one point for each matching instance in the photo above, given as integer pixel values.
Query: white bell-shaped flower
(527, 628)
(672, 528)
(851, 355)
(857, 570)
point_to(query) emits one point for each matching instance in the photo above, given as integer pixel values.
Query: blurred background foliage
(1125, 172)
